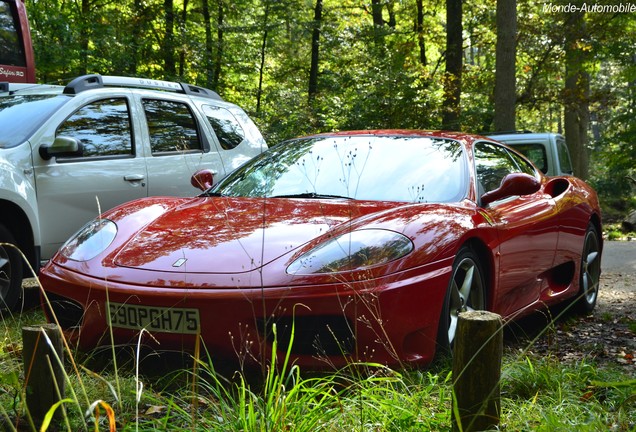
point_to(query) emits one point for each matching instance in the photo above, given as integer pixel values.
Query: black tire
(466, 291)
(10, 272)
(589, 272)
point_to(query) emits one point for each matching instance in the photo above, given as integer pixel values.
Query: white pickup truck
(547, 151)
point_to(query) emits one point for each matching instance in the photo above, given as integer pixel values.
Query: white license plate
(160, 319)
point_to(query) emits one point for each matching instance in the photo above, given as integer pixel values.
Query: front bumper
(391, 320)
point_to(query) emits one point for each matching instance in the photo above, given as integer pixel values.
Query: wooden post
(44, 376)
(477, 355)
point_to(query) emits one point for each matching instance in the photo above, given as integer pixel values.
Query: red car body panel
(227, 258)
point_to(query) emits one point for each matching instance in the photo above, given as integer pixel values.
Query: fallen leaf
(155, 409)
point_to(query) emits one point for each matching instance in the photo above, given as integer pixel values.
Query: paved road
(619, 257)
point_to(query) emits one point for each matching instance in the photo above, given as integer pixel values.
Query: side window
(171, 126)
(11, 48)
(492, 164)
(536, 153)
(102, 127)
(226, 127)
(564, 157)
(523, 165)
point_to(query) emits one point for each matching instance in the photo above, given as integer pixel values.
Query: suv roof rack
(93, 81)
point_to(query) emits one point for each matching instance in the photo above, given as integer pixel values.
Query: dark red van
(16, 52)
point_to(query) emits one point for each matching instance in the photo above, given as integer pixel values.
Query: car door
(527, 227)
(178, 146)
(74, 189)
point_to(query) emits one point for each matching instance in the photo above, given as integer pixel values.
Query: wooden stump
(477, 355)
(44, 375)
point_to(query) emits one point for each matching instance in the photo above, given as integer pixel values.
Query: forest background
(305, 66)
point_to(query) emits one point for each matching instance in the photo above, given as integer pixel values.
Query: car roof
(401, 132)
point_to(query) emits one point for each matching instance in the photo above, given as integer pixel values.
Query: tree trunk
(137, 22)
(84, 37)
(261, 68)
(219, 45)
(505, 67)
(315, 51)
(453, 74)
(419, 29)
(391, 9)
(207, 24)
(576, 93)
(169, 63)
(376, 12)
(183, 37)
(213, 63)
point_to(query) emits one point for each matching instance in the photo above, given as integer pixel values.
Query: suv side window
(102, 127)
(492, 164)
(171, 126)
(226, 127)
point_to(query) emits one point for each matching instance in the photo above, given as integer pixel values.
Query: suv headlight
(90, 241)
(356, 250)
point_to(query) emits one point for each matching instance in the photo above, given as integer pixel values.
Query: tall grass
(538, 393)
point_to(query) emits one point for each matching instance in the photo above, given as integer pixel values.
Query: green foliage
(545, 394)
(369, 76)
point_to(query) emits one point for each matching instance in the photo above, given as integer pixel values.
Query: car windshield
(383, 168)
(21, 115)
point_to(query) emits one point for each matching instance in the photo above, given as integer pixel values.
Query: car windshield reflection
(386, 168)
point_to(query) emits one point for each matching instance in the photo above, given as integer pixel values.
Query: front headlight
(90, 241)
(353, 251)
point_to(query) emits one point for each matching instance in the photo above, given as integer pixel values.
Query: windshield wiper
(312, 195)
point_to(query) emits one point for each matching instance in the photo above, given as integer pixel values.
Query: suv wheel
(10, 271)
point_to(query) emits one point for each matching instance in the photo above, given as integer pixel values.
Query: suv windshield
(21, 115)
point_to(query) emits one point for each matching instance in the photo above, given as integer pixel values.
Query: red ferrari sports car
(351, 246)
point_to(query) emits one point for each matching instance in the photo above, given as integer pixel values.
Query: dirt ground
(607, 336)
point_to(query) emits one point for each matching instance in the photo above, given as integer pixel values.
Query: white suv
(68, 153)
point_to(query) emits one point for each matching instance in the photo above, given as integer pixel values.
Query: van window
(536, 153)
(564, 157)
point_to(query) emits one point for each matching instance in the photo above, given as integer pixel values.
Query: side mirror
(512, 185)
(202, 179)
(62, 146)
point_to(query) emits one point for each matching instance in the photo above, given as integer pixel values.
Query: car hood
(235, 235)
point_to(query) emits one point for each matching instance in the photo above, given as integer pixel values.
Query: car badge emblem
(179, 262)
